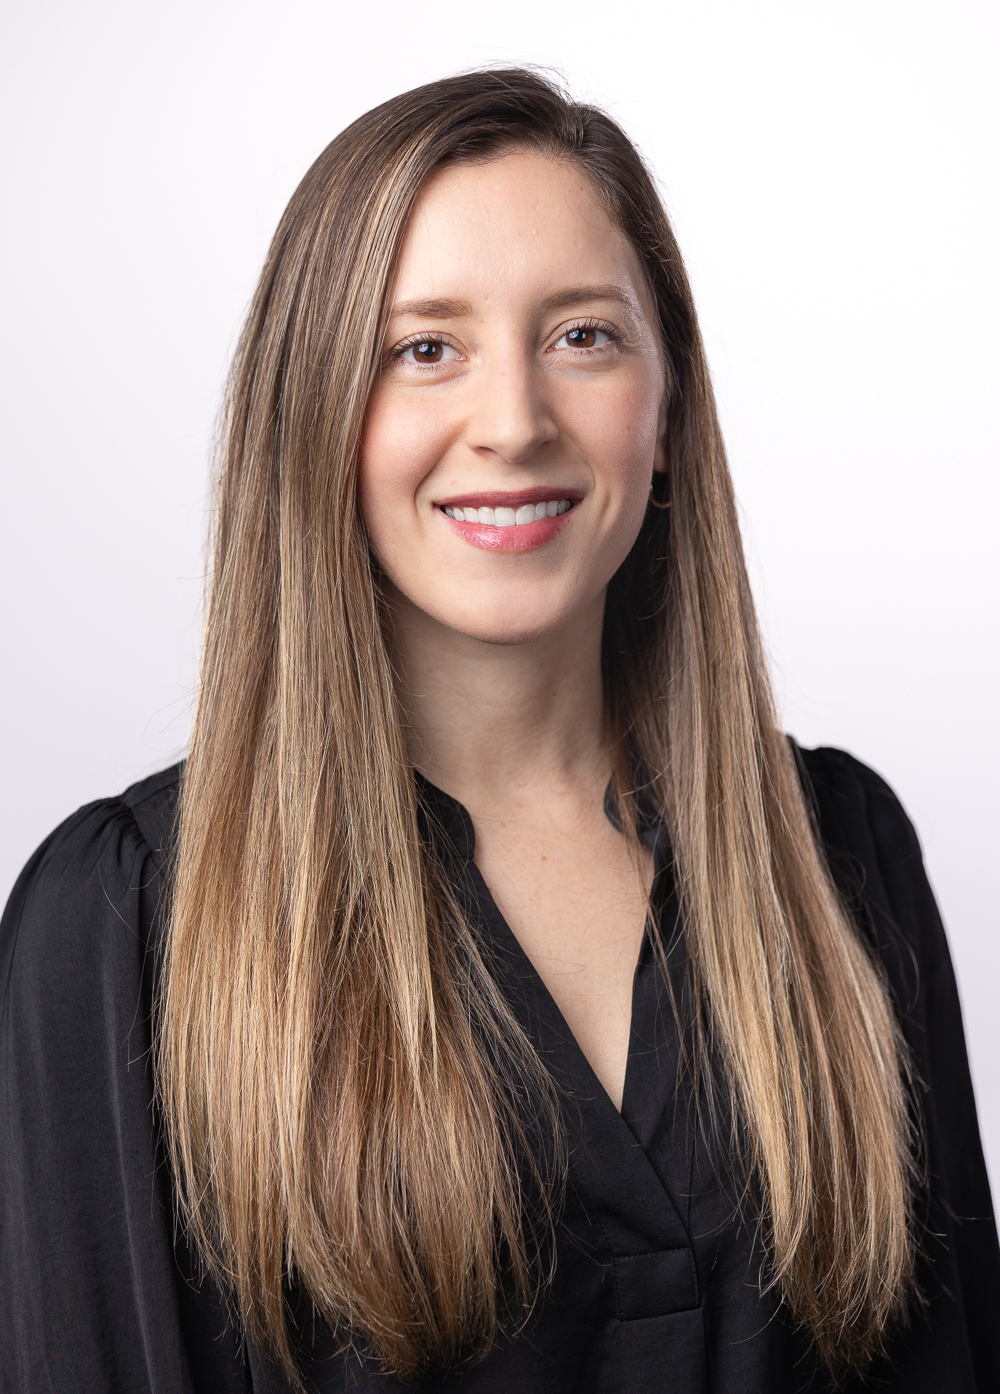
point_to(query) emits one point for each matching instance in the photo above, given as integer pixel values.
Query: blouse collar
(451, 818)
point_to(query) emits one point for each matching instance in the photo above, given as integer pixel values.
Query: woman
(495, 1000)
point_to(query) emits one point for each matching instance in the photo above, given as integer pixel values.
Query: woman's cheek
(393, 463)
(626, 444)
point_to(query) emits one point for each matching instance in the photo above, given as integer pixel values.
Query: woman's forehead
(520, 224)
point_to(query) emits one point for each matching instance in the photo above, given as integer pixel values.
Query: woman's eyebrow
(574, 295)
(433, 309)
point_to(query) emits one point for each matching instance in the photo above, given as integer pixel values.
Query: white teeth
(507, 517)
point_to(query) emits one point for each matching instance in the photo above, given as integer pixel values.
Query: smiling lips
(500, 522)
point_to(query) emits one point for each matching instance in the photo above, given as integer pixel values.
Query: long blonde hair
(344, 1089)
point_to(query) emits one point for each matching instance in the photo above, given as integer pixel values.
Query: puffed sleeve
(953, 1339)
(94, 1297)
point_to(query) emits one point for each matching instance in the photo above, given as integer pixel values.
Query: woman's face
(512, 436)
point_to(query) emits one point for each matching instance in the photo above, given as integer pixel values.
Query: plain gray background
(830, 172)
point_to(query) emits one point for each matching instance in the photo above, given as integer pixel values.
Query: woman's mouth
(511, 523)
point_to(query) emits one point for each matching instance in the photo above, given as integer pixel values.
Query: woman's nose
(511, 417)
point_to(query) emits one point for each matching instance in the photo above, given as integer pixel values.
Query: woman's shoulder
(875, 858)
(860, 818)
(854, 804)
(90, 891)
(153, 804)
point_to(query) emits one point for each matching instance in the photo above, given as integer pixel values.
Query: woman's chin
(510, 636)
(503, 616)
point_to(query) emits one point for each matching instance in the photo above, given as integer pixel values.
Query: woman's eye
(585, 336)
(426, 352)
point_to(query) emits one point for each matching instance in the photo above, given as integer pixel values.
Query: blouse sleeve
(953, 1341)
(92, 1294)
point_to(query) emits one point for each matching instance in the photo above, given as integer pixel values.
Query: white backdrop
(829, 169)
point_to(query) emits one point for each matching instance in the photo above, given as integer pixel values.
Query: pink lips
(517, 539)
(527, 537)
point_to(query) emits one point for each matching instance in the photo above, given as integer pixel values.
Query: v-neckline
(458, 825)
(604, 1146)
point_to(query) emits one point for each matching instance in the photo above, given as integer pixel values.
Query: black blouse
(658, 1276)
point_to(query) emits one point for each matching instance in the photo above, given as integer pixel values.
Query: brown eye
(425, 352)
(430, 351)
(584, 336)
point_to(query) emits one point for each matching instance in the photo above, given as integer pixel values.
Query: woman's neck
(500, 726)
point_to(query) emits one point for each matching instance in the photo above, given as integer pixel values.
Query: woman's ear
(661, 463)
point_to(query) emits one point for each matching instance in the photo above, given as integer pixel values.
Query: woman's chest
(577, 906)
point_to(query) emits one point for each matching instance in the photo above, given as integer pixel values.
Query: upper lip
(498, 498)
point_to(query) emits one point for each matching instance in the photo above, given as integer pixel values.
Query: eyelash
(613, 334)
(412, 342)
